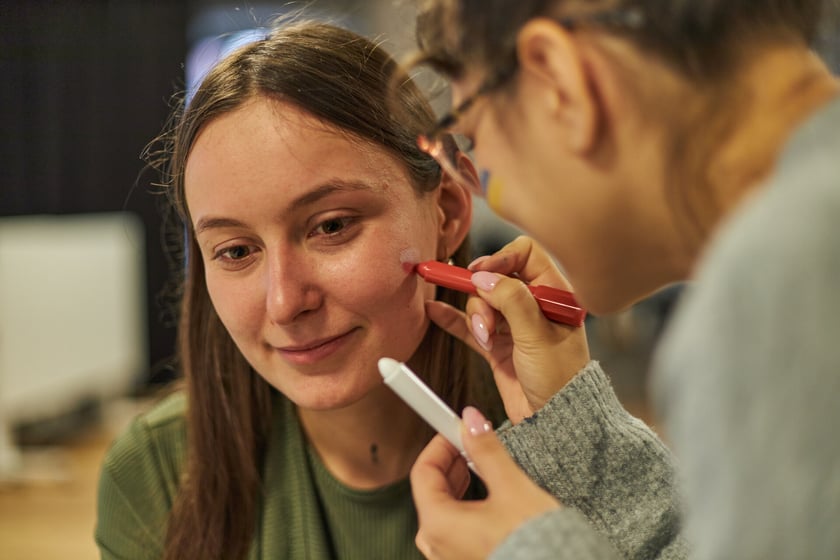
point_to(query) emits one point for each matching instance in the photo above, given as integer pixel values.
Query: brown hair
(701, 41)
(342, 79)
(694, 37)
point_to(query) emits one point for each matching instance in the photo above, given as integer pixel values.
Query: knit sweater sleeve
(613, 475)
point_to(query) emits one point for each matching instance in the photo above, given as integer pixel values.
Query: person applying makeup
(644, 144)
(301, 192)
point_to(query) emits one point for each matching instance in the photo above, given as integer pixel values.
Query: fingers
(506, 482)
(546, 355)
(514, 301)
(518, 311)
(439, 474)
(452, 321)
(501, 279)
(475, 327)
(489, 457)
(439, 478)
(526, 259)
(449, 528)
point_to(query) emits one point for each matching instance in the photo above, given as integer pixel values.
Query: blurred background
(86, 316)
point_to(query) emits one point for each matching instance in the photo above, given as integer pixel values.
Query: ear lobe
(548, 52)
(455, 206)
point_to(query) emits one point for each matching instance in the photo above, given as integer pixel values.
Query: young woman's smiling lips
(313, 351)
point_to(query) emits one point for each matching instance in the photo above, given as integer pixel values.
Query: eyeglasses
(445, 152)
(439, 144)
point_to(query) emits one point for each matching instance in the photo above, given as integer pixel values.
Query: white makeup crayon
(423, 401)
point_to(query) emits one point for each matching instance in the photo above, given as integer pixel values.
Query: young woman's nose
(291, 290)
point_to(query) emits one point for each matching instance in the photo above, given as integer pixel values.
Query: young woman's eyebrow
(311, 197)
(334, 186)
(211, 222)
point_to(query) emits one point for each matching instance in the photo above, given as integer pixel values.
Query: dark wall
(84, 85)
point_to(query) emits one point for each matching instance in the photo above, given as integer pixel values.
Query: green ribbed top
(366, 523)
(306, 512)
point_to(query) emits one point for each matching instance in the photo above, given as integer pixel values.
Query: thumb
(488, 456)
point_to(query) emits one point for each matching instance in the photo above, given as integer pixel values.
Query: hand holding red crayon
(558, 305)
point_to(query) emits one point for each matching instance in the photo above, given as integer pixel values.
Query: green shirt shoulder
(139, 481)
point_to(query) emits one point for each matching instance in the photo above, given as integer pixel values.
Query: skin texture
(301, 229)
(585, 162)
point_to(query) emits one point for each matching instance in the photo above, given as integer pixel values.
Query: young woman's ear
(549, 55)
(455, 206)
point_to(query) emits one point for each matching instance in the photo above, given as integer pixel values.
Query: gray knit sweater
(747, 383)
(610, 471)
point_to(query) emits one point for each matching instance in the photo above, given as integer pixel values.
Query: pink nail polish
(484, 280)
(480, 332)
(477, 261)
(476, 423)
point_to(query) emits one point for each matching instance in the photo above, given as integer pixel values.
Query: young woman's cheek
(365, 277)
(238, 302)
(374, 276)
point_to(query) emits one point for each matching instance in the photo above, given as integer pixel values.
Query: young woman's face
(603, 215)
(302, 230)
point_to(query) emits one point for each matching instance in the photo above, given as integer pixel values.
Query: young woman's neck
(369, 444)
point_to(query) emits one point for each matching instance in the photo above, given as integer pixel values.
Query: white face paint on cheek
(409, 258)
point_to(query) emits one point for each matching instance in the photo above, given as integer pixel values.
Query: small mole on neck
(374, 456)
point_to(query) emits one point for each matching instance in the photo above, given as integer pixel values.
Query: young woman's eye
(332, 227)
(233, 254)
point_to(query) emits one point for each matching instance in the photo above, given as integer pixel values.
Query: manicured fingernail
(484, 280)
(480, 332)
(476, 423)
(477, 261)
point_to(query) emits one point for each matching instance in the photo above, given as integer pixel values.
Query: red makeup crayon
(558, 305)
